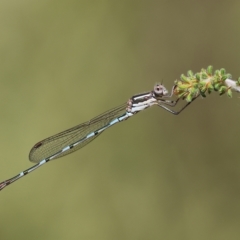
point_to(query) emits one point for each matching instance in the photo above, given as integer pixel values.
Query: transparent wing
(54, 144)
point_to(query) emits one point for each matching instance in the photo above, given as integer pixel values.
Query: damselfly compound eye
(160, 90)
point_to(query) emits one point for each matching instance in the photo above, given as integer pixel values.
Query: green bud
(184, 78)
(224, 77)
(194, 92)
(217, 73)
(190, 73)
(204, 76)
(198, 76)
(209, 70)
(222, 90)
(201, 84)
(203, 89)
(203, 71)
(216, 86)
(214, 79)
(195, 85)
(222, 71)
(210, 87)
(218, 78)
(189, 98)
(238, 81)
(183, 87)
(229, 76)
(229, 92)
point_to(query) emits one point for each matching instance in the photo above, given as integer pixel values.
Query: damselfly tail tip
(3, 185)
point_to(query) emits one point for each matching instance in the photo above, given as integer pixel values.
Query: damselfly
(77, 137)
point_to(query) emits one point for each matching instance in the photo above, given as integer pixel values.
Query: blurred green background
(155, 176)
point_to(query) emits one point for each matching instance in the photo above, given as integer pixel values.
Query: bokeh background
(155, 176)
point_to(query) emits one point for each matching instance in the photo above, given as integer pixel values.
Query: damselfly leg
(162, 105)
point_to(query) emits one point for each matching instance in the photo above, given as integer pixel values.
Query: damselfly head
(160, 90)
